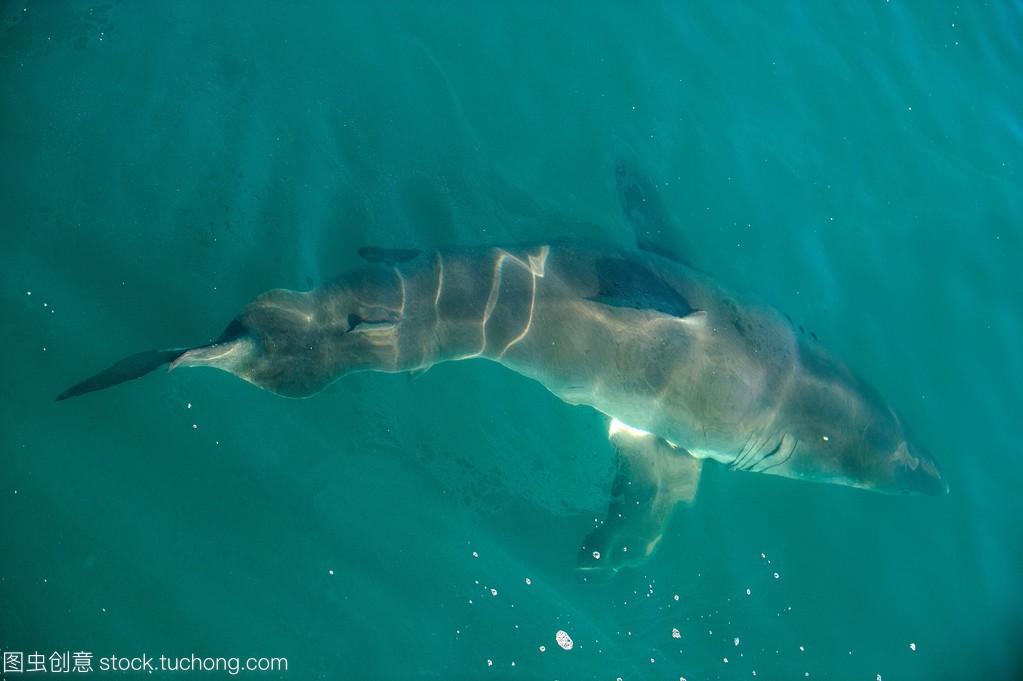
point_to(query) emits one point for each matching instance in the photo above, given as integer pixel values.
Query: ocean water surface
(856, 164)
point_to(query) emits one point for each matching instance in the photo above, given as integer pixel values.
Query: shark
(684, 370)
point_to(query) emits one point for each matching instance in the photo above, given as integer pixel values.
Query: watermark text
(16, 663)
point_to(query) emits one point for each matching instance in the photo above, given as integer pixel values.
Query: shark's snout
(914, 472)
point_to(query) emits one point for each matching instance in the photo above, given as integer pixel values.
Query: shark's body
(686, 370)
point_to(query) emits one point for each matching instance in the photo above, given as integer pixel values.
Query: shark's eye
(354, 320)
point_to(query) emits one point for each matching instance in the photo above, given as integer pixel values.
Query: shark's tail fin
(127, 369)
(652, 477)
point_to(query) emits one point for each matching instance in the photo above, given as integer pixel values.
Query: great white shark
(685, 370)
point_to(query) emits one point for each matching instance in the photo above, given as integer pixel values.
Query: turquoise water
(163, 163)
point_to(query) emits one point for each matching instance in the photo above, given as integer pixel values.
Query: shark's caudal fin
(127, 369)
(652, 477)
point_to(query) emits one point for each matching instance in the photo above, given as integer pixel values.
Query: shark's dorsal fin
(653, 476)
(655, 229)
(388, 256)
(625, 282)
(696, 320)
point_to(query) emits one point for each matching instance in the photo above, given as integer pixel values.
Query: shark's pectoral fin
(652, 478)
(656, 231)
(136, 366)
